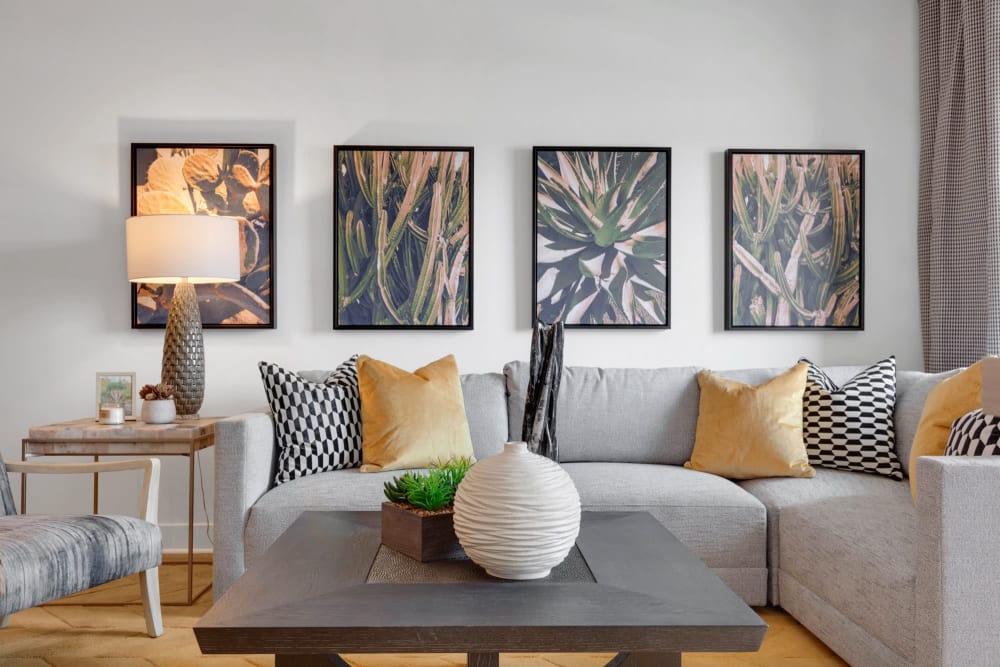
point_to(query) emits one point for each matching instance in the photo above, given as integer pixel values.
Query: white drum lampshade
(183, 250)
(165, 249)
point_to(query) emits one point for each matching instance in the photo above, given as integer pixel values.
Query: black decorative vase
(545, 372)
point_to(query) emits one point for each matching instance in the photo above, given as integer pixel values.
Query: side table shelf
(85, 437)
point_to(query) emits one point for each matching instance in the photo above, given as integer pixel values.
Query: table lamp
(183, 250)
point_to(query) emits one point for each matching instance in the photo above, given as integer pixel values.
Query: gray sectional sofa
(847, 554)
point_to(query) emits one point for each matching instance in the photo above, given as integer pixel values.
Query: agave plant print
(403, 237)
(233, 180)
(601, 236)
(794, 229)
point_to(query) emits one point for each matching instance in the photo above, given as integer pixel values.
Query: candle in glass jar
(112, 414)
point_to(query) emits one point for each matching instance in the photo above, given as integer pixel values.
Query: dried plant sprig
(157, 392)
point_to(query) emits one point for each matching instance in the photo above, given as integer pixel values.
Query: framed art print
(794, 239)
(403, 237)
(602, 237)
(117, 388)
(234, 180)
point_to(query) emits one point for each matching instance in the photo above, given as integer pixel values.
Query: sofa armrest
(244, 471)
(958, 539)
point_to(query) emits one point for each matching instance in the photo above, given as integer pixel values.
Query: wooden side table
(85, 437)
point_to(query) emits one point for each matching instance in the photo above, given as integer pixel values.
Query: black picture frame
(755, 299)
(640, 297)
(249, 303)
(439, 287)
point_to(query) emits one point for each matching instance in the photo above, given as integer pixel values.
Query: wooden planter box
(420, 535)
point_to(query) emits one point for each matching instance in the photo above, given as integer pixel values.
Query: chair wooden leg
(149, 584)
(3, 621)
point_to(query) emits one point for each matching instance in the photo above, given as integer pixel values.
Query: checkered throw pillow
(317, 425)
(974, 434)
(851, 427)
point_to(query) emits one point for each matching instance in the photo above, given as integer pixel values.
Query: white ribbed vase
(517, 514)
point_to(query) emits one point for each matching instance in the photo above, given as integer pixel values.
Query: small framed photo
(795, 239)
(602, 237)
(117, 388)
(402, 237)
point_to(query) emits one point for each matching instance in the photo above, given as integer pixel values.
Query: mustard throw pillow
(411, 420)
(745, 432)
(945, 403)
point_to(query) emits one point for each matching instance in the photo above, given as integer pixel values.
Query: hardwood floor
(104, 626)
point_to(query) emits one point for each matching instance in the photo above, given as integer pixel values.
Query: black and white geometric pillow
(974, 434)
(851, 427)
(317, 425)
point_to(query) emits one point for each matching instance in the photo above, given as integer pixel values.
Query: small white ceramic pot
(159, 412)
(517, 514)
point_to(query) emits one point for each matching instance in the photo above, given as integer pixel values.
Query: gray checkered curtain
(959, 211)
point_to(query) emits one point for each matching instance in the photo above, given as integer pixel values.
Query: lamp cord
(204, 502)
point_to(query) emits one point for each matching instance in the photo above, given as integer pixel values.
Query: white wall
(80, 81)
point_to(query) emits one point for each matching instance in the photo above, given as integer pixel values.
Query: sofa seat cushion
(45, 557)
(276, 510)
(779, 494)
(859, 555)
(720, 522)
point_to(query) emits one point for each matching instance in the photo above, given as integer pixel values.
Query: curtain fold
(959, 207)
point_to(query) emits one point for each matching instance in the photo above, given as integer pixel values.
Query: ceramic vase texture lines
(183, 363)
(517, 514)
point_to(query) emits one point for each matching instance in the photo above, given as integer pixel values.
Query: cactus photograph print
(402, 237)
(794, 239)
(602, 233)
(232, 180)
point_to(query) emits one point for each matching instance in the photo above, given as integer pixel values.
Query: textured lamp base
(184, 352)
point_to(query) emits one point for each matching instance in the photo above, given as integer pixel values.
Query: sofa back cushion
(485, 409)
(621, 415)
(912, 388)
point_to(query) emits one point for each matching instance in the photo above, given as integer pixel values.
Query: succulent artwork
(601, 233)
(233, 181)
(403, 237)
(430, 491)
(795, 234)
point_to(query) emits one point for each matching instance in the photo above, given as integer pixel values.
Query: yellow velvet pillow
(745, 432)
(945, 403)
(411, 420)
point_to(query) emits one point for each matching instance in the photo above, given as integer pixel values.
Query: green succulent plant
(432, 490)
(796, 240)
(601, 237)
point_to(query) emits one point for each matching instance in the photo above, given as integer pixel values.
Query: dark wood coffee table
(630, 587)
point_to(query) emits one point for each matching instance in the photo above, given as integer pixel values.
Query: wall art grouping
(403, 237)
(601, 244)
(403, 233)
(794, 239)
(235, 180)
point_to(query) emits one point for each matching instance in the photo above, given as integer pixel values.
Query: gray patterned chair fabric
(6, 497)
(44, 557)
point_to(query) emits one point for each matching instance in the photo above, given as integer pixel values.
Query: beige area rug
(105, 627)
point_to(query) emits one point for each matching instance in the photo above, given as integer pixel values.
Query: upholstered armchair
(44, 557)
